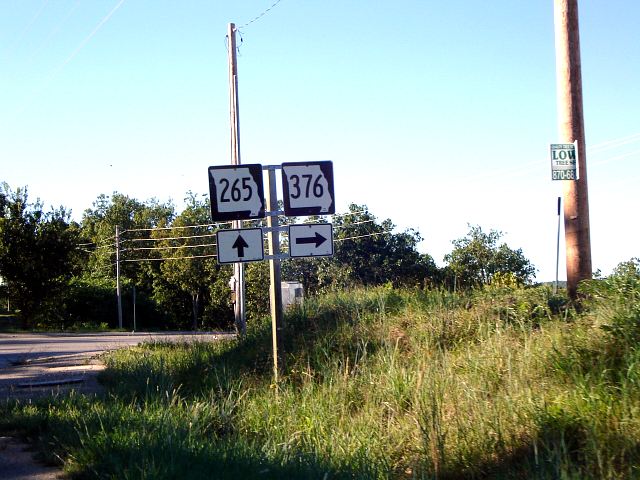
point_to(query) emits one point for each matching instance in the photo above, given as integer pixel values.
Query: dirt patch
(36, 378)
(18, 463)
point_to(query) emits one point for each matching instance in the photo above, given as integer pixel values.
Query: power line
(26, 29)
(259, 16)
(617, 142)
(160, 259)
(362, 236)
(617, 157)
(167, 248)
(535, 164)
(53, 32)
(180, 227)
(160, 239)
(77, 50)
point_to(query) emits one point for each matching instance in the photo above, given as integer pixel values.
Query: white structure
(292, 294)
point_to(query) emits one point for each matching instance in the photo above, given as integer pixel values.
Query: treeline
(58, 273)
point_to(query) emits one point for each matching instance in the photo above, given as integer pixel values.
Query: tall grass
(380, 383)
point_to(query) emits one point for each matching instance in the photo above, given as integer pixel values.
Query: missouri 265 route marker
(237, 192)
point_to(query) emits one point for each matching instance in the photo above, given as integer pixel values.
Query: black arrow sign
(317, 239)
(240, 244)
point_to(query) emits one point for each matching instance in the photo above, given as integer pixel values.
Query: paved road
(37, 365)
(21, 348)
(33, 365)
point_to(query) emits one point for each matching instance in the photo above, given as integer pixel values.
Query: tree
(99, 225)
(185, 268)
(478, 257)
(38, 253)
(366, 252)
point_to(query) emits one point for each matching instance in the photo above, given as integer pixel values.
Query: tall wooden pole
(571, 126)
(118, 289)
(238, 268)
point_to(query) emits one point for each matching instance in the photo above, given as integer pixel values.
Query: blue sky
(435, 114)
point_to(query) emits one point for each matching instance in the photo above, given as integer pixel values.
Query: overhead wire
(177, 227)
(258, 17)
(617, 142)
(73, 54)
(157, 259)
(173, 247)
(362, 236)
(26, 29)
(535, 164)
(53, 32)
(160, 239)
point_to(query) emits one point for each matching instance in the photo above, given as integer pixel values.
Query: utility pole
(275, 277)
(571, 126)
(238, 268)
(118, 292)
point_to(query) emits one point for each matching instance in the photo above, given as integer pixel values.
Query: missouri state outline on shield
(308, 188)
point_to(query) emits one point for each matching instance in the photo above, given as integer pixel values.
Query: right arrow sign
(311, 240)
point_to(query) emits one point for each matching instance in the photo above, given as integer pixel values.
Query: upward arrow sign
(240, 244)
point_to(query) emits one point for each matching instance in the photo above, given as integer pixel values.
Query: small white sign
(308, 188)
(244, 245)
(564, 161)
(311, 240)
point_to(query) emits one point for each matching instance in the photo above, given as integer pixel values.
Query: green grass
(380, 383)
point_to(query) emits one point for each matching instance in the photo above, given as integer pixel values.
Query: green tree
(366, 252)
(135, 220)
(478, 257)
(187, 268)
(38, 253)
(133, 217)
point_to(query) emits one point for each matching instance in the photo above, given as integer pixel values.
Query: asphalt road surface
(26, 347)
(37, 365)
(32, 365)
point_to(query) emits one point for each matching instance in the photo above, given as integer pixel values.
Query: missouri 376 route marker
(308, 188)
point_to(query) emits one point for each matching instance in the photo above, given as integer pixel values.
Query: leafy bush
(616, 299)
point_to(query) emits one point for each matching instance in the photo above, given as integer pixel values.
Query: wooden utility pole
(571, 126)
(275, 277)
(238, 268)
(118, 289)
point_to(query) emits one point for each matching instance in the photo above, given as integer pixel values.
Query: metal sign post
(275, 277)
(555, 289)
(237, 193)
